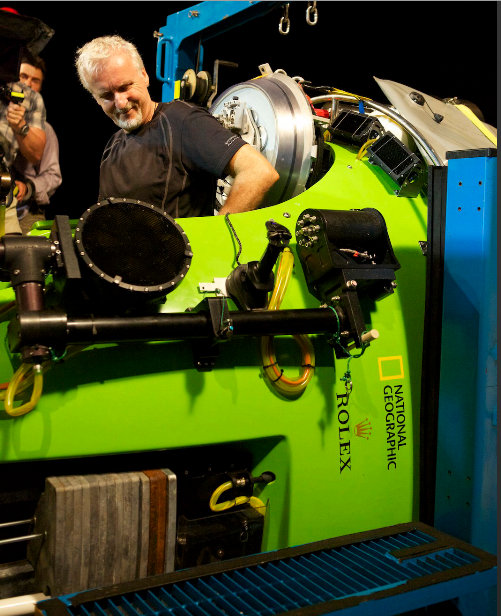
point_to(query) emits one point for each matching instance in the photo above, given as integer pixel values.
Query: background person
(22, 128)
(166, 154)
(36, 183)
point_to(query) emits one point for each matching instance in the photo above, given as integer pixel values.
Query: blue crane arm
(180, 40)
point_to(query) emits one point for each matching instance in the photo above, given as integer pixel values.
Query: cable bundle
(287, 387)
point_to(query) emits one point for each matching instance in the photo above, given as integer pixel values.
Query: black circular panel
(133, 245)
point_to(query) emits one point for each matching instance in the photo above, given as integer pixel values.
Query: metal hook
(312, 13)
(349, 387)
(285, 23)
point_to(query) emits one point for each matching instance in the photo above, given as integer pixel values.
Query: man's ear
(145, 76)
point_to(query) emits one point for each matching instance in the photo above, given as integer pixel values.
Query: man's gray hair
(90, 57)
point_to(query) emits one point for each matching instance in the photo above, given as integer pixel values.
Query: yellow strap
(479, 124)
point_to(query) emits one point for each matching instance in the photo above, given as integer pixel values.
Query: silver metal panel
(171, 516)
(285, 122)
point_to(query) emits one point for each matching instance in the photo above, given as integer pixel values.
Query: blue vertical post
(466, 487)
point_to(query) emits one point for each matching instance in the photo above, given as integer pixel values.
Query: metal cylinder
(44, 328)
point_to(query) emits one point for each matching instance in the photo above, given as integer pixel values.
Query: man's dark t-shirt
(172, 162)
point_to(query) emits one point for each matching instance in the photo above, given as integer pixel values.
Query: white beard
(128, 125)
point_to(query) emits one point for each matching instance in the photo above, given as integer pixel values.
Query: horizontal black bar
(476, 153)
(52, 328)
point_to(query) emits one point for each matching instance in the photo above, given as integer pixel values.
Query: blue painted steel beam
(180, 40)
(465, 504)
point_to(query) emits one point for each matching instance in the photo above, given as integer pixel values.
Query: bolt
(351, 284)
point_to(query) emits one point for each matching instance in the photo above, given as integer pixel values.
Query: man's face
(121, 89)
(31, 76)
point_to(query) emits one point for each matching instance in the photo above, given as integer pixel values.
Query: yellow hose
(284, 274)
(338, 91)
(363, 149)
(16, 385)
(23, 379)
(253, 501)
(286, 386)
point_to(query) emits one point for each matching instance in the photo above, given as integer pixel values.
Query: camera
(19, 33)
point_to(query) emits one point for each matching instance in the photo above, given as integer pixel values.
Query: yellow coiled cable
(363, 150)
(284, 385)
(19, 382)
(253, 501)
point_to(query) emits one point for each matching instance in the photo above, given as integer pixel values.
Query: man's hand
(253, 177)
(32, 144)
(15, 116)
(22, 189)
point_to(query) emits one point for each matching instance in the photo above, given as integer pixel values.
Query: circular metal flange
(134, 246)
(284, 118)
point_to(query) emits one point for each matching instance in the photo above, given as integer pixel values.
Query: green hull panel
(340, 468)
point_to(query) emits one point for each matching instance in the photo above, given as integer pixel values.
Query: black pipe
(53, 328)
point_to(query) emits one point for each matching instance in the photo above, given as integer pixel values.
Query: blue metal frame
(388, 571)
(465, 504)
(181, 38)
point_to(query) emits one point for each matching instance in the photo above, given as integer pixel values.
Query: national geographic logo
(396, 435)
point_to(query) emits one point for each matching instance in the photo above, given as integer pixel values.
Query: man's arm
(45, 177)
(32, 144)
(253, 177)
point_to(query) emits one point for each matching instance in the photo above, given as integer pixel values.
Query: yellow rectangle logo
(391, 368)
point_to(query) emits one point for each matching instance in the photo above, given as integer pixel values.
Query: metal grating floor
(316, 579)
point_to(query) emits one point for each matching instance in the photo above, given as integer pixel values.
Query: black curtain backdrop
(441, 48)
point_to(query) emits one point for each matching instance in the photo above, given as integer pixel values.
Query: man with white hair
(166, 154)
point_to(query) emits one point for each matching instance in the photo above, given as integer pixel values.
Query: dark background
(441, 48)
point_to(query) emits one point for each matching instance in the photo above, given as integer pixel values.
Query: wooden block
(86, 523)
(158, 507)
(104, 529)
(144, 526)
